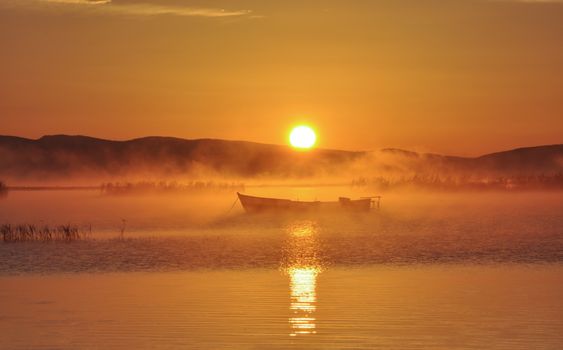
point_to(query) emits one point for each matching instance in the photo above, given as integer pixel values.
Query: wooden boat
(252, 204)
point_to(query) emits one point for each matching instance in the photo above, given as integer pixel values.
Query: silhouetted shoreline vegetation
(147, 187)
(464, 183)
(29, 232)
(542, 182)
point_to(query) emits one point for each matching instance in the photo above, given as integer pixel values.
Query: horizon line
(274, 144)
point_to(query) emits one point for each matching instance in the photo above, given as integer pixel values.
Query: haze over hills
(61, 157)
(525, 161)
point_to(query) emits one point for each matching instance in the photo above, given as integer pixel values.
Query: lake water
(427, 271)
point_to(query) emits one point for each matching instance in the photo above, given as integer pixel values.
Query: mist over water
(166, 233)
(426, 270)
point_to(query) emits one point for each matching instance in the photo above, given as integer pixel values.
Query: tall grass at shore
(27, 232)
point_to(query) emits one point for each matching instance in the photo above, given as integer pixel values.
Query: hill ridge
(65, 156)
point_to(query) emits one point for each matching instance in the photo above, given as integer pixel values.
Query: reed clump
(29, 233)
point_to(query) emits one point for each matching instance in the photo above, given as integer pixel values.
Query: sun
(302, 137)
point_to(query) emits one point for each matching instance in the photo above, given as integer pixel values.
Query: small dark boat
(252, 204)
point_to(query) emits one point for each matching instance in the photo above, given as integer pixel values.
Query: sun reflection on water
(303, 284)
(303, 266)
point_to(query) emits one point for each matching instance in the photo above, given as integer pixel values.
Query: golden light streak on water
(303, 296)
(303, 267)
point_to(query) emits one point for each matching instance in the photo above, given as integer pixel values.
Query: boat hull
(252, 204)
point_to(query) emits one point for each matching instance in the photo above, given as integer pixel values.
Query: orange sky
(461, 77)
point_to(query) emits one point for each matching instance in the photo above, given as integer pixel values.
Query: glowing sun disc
(302, 137)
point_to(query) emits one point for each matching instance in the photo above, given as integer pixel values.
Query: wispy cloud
(132, 9)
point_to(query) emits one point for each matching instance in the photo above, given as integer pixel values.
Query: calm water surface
(426, 272)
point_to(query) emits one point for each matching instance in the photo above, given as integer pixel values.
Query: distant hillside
(538, 160)
(529, 159)
(61, 157)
